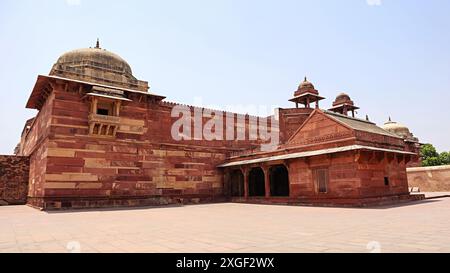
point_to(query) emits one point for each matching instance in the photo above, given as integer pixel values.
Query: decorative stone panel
(14, 172)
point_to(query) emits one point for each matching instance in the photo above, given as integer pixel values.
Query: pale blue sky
(393, 59)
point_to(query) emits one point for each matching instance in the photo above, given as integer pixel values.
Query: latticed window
(104, 120)
(322, 178)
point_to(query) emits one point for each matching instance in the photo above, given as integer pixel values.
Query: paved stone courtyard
(417, 227)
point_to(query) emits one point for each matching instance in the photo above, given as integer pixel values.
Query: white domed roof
(398, 129)
(97, 65)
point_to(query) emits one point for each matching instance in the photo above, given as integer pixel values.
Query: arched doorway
(256, 184)
(237, 183)
(279, 181)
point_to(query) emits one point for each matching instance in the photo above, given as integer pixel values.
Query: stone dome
(98, 57)
(306, 85)
(97, 65)
(399, 129)
(343, 98)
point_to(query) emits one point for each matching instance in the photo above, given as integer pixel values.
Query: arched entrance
(279, 181)
(237, 183)
(256, 184)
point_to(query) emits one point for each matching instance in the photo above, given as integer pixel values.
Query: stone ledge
(423, 169)
(69, 203)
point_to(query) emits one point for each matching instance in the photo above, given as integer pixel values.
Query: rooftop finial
(367, 117)
(97, 45)
(306, 79)
(390, 120)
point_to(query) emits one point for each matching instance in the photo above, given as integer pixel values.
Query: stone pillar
(266, 170)
(246, 174)
(117, 105)
(227, 183)
(287, 165)
(94, 106)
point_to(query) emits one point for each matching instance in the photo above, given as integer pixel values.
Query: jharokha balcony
(101, 125)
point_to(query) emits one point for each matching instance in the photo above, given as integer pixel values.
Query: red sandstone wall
(343, 179)
(350, 178)
(38, 168)
(160, 123)
(40, 129)
(430, 179)
(143, 165)
(14, 172)
(380, 141)
(35, 145)
(374, 167)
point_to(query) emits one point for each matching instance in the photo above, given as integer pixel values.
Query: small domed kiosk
(343, 104)
(306, 94)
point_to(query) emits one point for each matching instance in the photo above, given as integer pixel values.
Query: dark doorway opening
(237, 183)
(279, 181)
(256, 183)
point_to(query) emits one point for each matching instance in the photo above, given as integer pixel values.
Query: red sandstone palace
(101, 139)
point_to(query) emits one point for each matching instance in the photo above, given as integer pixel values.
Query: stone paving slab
(229, 228)
(431, 195)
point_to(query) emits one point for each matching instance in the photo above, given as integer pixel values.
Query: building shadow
(70, 211)
(173, 206)
(406, 204)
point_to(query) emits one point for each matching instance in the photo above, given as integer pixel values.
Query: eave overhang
(107, 97)
(303, 97)
(42, 81)
(311, 153)
(341, 106)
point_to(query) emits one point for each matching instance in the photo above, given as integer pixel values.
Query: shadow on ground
(382, 207)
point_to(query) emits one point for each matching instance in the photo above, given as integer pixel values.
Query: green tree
(431, 161)
(445, 158)
(427, 151)
(430, 157)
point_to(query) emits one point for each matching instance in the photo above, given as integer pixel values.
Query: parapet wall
(430, 179)
(14, 173)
